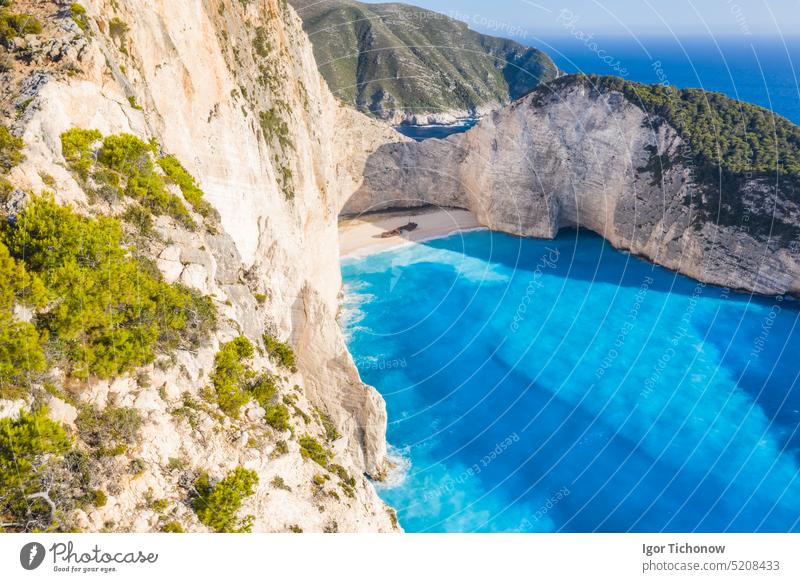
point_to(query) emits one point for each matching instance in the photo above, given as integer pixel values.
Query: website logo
(32, 555)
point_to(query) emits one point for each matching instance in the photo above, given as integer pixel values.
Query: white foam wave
(472, 269)
(351, 308)
(400, 466)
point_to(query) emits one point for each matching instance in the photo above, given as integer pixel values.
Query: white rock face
(209, 93)
(61, 411)
(578, 159)
(11, 408)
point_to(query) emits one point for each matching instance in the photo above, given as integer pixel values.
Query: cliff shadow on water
(580, 254)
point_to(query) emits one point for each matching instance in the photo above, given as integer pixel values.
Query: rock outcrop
(582, 157)
(230, 89)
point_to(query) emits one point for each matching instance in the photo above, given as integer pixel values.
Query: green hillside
(385, 57)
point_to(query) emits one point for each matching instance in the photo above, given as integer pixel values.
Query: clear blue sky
(624, 17)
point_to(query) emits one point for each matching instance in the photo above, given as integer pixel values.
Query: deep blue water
(564, 386)
(758, 69)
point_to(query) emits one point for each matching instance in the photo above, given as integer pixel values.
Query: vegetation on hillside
(44, 475)
(21, 352)
(78, 14)
(10, 150)
(187, 184)
(80, 302)
(232, 375)
(311, 448)
(75, 294)
(379, 57)
(99, 309)
(217, 505)
(123, 165)
(280, 351)
(16, 24)
(10, 156)
(236, 383)
(109, 432)
(32, 448)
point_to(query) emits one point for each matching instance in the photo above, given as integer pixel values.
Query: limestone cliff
(573, 155)
(230, 88)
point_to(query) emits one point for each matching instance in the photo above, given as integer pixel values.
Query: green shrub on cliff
(10, 155)
(10, 150)
(217, 505)
(277, 417)
(280, 351)
(21, 352)
(131, 160)
(118, 28)
(172, 527)
(123, 164)
(100, 498)
(235, 384)
(126, 154)
(14, 24)
(310, 448)
(30, 447)
(5, 190)
(186, 182)
(331, 433)
(76, 147)
(78, 14)
(109, 431)
(21, 356)
(232, 374)
(264, 389)
(108, 312)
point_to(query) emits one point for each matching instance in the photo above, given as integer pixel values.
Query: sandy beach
(361, 236)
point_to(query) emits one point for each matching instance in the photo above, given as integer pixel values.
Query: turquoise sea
(561, 385)
(564, 386)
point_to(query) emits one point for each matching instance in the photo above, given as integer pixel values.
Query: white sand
(360, 236)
